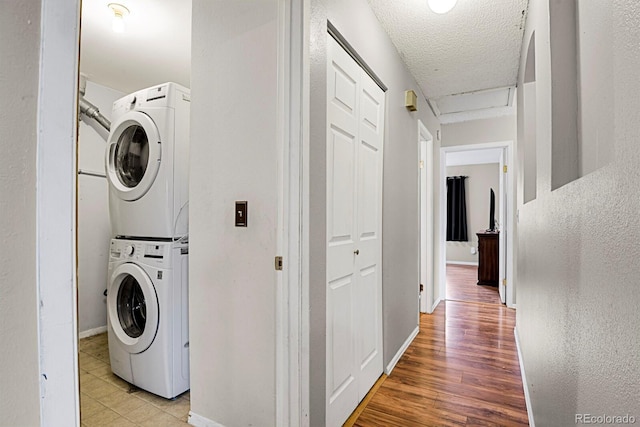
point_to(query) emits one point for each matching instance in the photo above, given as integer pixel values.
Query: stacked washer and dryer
(147, 162)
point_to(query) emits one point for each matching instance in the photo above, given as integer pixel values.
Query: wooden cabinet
(488, 250)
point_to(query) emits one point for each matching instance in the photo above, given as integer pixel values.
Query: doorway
(428, 299)
(499, 155)
(56, 198)
(112, 65)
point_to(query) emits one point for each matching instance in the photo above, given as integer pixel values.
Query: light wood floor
(462, 285)
(461, 370)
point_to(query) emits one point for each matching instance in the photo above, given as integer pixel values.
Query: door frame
(56, 214)
(292, 294)
(425, 188)
(56, 238)
(507, 178)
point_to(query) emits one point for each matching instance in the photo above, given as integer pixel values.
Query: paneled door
(355, 133)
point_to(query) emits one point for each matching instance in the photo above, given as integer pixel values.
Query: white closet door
(355, 117)
(368, 308)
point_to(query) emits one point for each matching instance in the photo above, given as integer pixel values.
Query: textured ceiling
(473, 47)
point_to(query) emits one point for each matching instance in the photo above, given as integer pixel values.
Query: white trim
(301, 23)
(292, 330)
(511, 207)
(56, 178)
(200, 421)
(425, 136)
(91, 332)
(282, 339)
(485, 113)
(525, 385)
(473, 263)
(401, 351)
(510, 176)
(435, 304)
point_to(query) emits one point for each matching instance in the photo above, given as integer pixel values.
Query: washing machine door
(133, 155)
(133, 307)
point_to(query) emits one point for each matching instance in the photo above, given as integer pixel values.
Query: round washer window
(132, 309)
(132, 155)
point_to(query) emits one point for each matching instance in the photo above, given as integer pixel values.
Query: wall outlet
(474, 250)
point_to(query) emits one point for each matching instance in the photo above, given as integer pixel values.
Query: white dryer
(147, 163)
(147, 320)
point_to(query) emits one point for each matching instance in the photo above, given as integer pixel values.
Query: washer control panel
(131, 249)
(148, 252)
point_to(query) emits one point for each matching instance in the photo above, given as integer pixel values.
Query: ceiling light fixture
(119, 12)
(441, 6)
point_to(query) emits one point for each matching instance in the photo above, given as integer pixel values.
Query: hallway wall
(400, 269)
(578, 270)
(234, 154)
(497, 129)
(20, 367)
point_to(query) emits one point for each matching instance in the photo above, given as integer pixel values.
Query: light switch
(241, 213)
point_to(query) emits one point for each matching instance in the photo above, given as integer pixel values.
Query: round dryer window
(132, 155)
(132, 307)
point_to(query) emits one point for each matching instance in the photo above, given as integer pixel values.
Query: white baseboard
(401, 351)
(435, 304)
(92, 332)
(525, 385)
(200, 421)
(475, 264)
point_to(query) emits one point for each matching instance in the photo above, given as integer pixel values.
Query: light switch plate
(241, 213)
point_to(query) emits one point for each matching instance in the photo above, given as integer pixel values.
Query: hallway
(461, 369)
(462, 286)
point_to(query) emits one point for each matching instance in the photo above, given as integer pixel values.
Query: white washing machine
(147, 163)
(147, 320)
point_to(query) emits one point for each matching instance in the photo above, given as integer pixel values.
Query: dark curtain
(456, 209)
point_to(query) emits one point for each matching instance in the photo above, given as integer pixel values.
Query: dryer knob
(128, 250)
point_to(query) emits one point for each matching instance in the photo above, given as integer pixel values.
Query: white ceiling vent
(474, 105)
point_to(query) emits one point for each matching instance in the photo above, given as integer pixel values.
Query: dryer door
(133, 308)
(133, 155)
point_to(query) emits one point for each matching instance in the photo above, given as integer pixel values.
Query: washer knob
(128, 250)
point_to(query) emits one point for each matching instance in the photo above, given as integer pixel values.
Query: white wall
(498, 129)
(480, 179)
(232, 279)
(19, 370)
(596, 86)
(94, 229)
(578, 269)
(401, 225)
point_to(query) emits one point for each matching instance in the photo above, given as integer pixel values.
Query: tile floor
(106, 400)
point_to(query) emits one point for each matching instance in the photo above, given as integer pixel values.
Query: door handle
(357, 252)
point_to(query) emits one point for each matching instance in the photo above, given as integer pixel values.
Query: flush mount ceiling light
(119, 12)
(441, 6)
